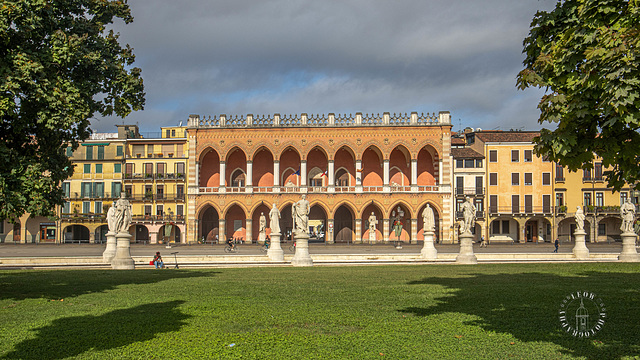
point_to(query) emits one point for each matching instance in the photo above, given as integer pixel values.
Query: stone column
(466, 255)
(249, 231)
(110, 252)
(440, 172)
(629, 252)
(414, 175)
(414, 231)
(358, 176)
(301, 257)
(223, 176)
(92, 237)
(222, 231)
(385, 230)
(275, 252)
(358, 239)
(249, 182)
(331, 177)
(385, 175)
(276, 176)
(580, 250)
(122, 260)
(429, 251)
(303, 173)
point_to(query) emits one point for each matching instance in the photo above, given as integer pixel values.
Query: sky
(239, 57)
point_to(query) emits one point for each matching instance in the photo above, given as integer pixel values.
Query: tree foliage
(586, 55)
(59, 65)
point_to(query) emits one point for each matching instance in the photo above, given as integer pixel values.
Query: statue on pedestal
(628, 215)
(428, 219)
(300, 212)
(469, 216)
(111, 218)
(397, 222)
(274, 217)
(579, 219)
(122, 215)
(373, 221)
(263, 223)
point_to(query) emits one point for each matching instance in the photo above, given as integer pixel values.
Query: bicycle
(229, 249)
(292, 247)
(265, 247)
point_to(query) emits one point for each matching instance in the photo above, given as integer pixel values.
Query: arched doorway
(262, 209)
(372, 232)
(317, 223)
(235, 224)
(286, 223)
(169, 233)
(140, 233)
(76, 234)
(100, 235)
(436, 217)
(400, 214)
(343, 225)
(208, 225)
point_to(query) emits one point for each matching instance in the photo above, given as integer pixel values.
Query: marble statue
(469, 216)
(397, 222)
(372, 222)
(428, 218)
(579, 218)
(274, 217)
(263, 223)
(111, 218)
(300, 212)
(122, 215)
(628, 215)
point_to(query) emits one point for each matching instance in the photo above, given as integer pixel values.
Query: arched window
(238, 178)
(342, 177)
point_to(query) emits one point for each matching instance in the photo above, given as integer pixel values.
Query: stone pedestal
(466, 255)
(262, 237)
(123, 260)
(580, 250)
(372, 237)
(429, 251)
(110, 252)
(275, 252)
(629, 252)
(302, 257)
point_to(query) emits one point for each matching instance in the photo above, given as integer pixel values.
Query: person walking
(483, 242)
(556, 243)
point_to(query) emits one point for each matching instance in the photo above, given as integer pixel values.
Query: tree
(59, 65)
(586, 55)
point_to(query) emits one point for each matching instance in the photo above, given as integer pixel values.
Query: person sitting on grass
(157, 261)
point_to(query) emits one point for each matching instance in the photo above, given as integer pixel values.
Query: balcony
(153, 176)
(158, 218)
(87, 197)
(325, 189)
(520, 210)
(479, 215)
(469, 191)
(155, 197)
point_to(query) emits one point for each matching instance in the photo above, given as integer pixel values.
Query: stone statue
(469, 216)
(428, 219)
(122, 215)
(397, 222)
(579, 219)
(300, 212)
(111, 218)
(263, 223)
(372, 222)
(628, 215)
(274, 216)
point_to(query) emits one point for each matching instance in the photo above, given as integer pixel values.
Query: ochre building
(349, 167)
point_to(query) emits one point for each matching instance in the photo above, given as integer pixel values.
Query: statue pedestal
(110, 252)
(372, 237)
(580, 250)
(275, 252)
(466, 255)
(123, 260)
(262, 237)
(629, 252)
(429, 251)
(301, 257)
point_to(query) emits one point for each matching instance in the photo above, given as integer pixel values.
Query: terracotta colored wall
(235, 213)
(426, 168)
(210, 170)
(236, 160)
(290, 159)
(371, 169)
(344, 159)
(263, 169)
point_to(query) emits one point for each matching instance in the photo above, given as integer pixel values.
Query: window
(459, 185)
(515, 155)
(546, 204)
(66, 209)
(98, 168)
(479, 204)
(128, 191)
(587, 199)
(173, 133)
(138, 151)
(69, 151)
(515, 179)
(528, 178)
(495, 227)
(100, 152)
(148, 192)
(180, 210)
(160, 168)
(469, 163)
(586, 174)
(493, 203)
(459, 163)
(515, 204)
(623, 197)
(147, 210)
(168, 133)
(119, 151)
(599, 199)
(148, 169)
(602, 229)
(180, 191)
(559, 199)
(87, 168)
(559, 172)
(546, 178)
(505, 226)
(97, 207)
(89, 153)
(160, 191)
(85, 190)
(86, 207)
(493, 155)
(478, 163)
(128, 168)
(479, 185)
(597, 171)
(528, 204)
(180, 168)
(159, 210)
(117, 168)
(66, 188)
(116, 189)
(493, 179)
(528, 157)
(98, 189)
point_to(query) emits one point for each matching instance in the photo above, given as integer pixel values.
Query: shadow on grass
(61, 284)
(73, 336)
(527, 305)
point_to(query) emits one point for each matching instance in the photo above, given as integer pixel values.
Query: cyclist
(231, 244)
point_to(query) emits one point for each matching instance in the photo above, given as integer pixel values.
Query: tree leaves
(585, 53)
(58, 67)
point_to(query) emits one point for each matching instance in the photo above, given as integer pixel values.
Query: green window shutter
(89, 152)
(98, 189)
(98, 168)
(100, 152)
(116, 188)
(117, 168)
(119, 151)
(69, 151)
(87, 168)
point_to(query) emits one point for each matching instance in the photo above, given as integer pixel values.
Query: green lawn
(507, 311)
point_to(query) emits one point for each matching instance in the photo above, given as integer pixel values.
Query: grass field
(508, 311)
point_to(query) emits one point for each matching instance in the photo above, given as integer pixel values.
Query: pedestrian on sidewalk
(483, 242)
(556, 243)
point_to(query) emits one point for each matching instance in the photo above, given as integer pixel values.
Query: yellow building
(519, 186)
(601, 205)
(154, 182)
(96, 182)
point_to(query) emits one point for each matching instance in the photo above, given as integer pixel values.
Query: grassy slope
(484, 311)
